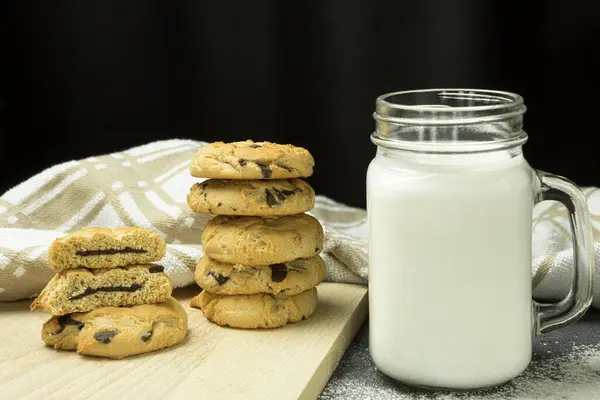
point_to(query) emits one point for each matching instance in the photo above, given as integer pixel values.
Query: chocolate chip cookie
(287, 278)
(256, 310)
(251, 197)
(98, 247)
(82, 289)
(118, 332)
(250, 160)
(262, 240)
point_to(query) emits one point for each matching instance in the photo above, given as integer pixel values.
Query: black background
(81, 78)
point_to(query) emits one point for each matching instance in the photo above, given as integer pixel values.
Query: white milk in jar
(450, 257)
(449, 201)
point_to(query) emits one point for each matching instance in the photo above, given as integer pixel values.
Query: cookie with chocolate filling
(256, 310)
(287, 278)
(98, 247)
(118, 332)
(82, 289)
(251, 197)
(252, 160)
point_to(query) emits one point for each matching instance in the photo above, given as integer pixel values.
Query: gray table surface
(554, 373)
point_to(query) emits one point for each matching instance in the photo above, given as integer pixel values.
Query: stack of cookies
(261, 264)
(106, 299)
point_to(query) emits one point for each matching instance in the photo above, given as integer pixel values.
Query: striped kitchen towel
(147, 186)
(553, 248)
(144, 186)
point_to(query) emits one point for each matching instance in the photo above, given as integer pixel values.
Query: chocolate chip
(271, 200)
(85, 253)
(234, 209)
(219, 204)
(283, 194)
(278, 272)
(105, 337)
(284, 167)
(71, 321)
(280, 195)
(65, 320)
(131, 288)
(242, 162)
(218, 277)
(265, 170)
(317, 249)
(255, 146)
(156, 269)
(146, 336)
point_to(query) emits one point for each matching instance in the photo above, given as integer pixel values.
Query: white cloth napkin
(147, 185)
(553, 248)
(143, 186)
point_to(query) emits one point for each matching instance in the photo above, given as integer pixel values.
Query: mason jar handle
(575, 304)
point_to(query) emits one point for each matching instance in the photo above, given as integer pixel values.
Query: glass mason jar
(449, 200)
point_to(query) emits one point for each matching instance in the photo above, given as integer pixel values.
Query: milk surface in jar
(449, 269)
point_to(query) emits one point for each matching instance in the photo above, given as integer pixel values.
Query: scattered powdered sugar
(573, 375)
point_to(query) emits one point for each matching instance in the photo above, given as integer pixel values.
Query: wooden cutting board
(293, 362)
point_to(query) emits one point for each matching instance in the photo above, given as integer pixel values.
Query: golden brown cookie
(251, 197)
(250, 160)
(256, 310)
(118, 332)
(262, 240)
(98, 247)
(287, 278)
(82, 289)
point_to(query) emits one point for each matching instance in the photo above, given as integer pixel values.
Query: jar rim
(449, 120)
(481, 105)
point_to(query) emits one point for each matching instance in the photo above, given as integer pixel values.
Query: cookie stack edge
(261, 264)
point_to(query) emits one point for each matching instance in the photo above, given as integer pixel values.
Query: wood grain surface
(212, 363)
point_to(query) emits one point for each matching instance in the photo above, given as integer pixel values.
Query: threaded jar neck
(449, 120)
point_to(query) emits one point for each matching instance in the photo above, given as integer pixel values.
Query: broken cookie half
(107, 298)
(98, 247)
(82, 289)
